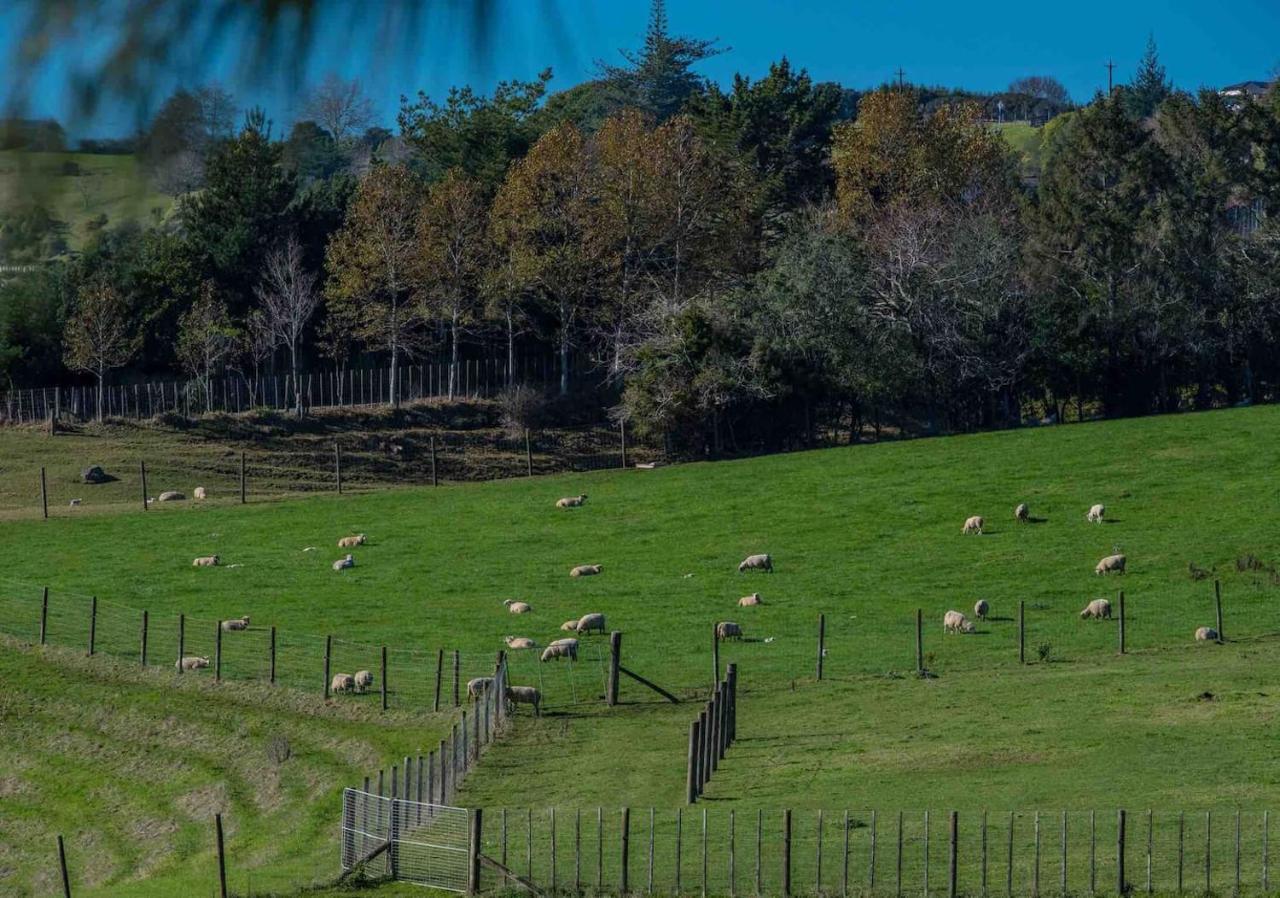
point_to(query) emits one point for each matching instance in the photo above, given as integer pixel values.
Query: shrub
(522, 407)
(1044, 651)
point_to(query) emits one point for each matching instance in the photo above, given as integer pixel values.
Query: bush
(522, 407)
(1044, 651)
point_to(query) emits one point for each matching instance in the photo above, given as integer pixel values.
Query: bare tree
(217, 111)
(181, 173)
(289, 298)
(340, 107)
(1042, 87)
(206, 338)
(257, 343)
(99, 335)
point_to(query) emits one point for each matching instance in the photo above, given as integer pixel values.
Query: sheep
(363, 680)
(206, 561)
(241, 623)
(343, 563)
(955, 622)
(350, 542)
(586, 570)
(1109, 564)
(756, 563)
(1095, 513)
(570, 626)
(199, 493)
(1206, 634)
(981, 609)
(519, 642)
(972, 525)
(526, 695)
(727, 629)
(1022, 513)
(748, 601)
(190, 662)
(517, 607)
(170, 496)
(75, 503)
(571, 501)
(477, 687)
(561, 648)
(342, 682)
(589, 622)
(1098, 609)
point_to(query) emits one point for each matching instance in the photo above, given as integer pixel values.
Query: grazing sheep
(191, 662)
(1022, 512)
(519, 642)
(350, 542)
(981, 609)
(727, 629)
(343, 563)
(241, 623)
(589, 622)
(206, 561)
(363, 680)
(561, 648)
(748, 601)
(972, 525)
(571, 501)
(570, 626)
(1206, 634)
(199, 493)
(170, 496)
(1095, 513)
(955, 622)
(342, 683)
(526, 695)
(75, 503)
(1110, 564)
(1098, 609)
(477, 687)
(586, 570)
(756, 563)
(518, 607)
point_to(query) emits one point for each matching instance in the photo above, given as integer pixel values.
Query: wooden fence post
(1121, 886)
(182, 639)
(615, 659)
(44, 615)
(384, 678)
(528, 454)
(328, 647)
(44, 495)
(1008, 882)
(473, 866)
(273, 654)
(1217, 601)
(93, 623)
(1022, 631)
(142, 467)
(457, 667)
(691, 769)
(243, 480)
(337, 466)
(439, 676)
(435, 481)
(626, 851)
(951, 855)
(222, 858)
(1121, 601)
(1208, 852)
(731, 677)
(786, 852)
(715, 656)
(822, 642)
(919, 641)
(62, 863)
(217, 652)
(143, 652)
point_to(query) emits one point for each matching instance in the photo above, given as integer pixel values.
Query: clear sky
(977, 45)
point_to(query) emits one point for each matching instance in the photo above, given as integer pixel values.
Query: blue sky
(978, 45)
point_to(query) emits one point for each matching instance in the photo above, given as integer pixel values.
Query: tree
(99, 335)
(340, 108)
(289, 299)
(206, 338)
(256, 344)
(1042, 87)
(1150, 85)
(371, 264)
(217, 112)
(311, 153)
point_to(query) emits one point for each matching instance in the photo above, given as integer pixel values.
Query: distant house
(1254, 90)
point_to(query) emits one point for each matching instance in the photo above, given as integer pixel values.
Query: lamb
(199, 493)
(363, 680)
(526, 695)
(350, 542)
(571, 501)
(972, 525)
(519, 642)
(241, 623)
(343, 563)
(955, 622)
(561, 648)
(1095, 513)
(727, 629)
(518, 607)
(191, 662)
(206, 561)
(586, 570)
(342, 682)
(1098, 609)
(981, 609)
(170, 496)
(589, 622)
(756, 563)
(748, 601)
(1206, 634)
(1112, 563)
(477, 687)
(570, 626)
(1022, 512)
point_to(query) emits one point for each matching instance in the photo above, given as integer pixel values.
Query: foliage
(99, 334)
(206, 337)
(1150, 85)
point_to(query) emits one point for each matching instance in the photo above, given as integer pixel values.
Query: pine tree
(1150, 85)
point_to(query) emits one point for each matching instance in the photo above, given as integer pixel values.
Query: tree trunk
(511, 351)
(393, 394)
(297, 387)
(564, 360)
(102, 378)
(453, 354)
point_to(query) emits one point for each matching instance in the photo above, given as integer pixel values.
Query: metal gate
(410, 841)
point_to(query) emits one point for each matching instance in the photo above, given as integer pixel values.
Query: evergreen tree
(1150, 85)
(659, 77)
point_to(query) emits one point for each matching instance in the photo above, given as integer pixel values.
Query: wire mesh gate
(410, 841)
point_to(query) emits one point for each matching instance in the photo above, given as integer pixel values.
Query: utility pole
(901, 78)
(1111, 68)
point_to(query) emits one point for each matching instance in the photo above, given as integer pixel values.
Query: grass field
(864, 534)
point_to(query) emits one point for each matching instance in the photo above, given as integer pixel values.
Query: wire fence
(404, 839)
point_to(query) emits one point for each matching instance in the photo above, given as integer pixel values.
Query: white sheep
(571, 501)
(981, 609)
(75, 503)
(170, 496)
(206, 561)
(748, 601)
(241, 623)
(477, 686)
(1098, 609)
(517, 607)
(727, 629)
(570, 626)
(763, 562)
(191, 662)
(1095, 513)
(363, 680)
(972, 525)
(589, 622)
(350, 542)
(1110, 564)
(342, 682)
(1206, 634)
(519, 642)
(526, 695)
(199, 493)
(586, 570)
(561, 648)
(343, 563)
(1022, 512)
(955, 622)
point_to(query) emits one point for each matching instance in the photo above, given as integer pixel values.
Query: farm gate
(410, 841)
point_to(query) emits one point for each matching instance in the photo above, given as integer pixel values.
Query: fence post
(919, 641)
(1121, 600)
(1182, 829)
(44, 615)
(982, 853)
(898, 880)
(1217, 601)
(951, 855)
(731, 677)
(44, 495)
(615, 659)
(435, 481)
(528, 454)
(457, 665)
(222, 858)
(439, 676)
(715, 656)
(142, 467)
(182, 639)
(328, 647)
(273, 654)
(143, 652)
(1208, 852)
(822, 642)
(337, 466)
(786, 852)
(1236, 890)
(62, 862)
(473, 868)
(1022, 631)
(1120, 837)
(384, 678)
(696, 735)
(1093, 852)
(93, 622)
(871, 861)
(242, 478)
(217, 652)
(626, 849)
(1008, 882)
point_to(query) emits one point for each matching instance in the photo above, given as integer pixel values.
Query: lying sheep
(561, 648)
(342, 683)
(955, 622)
(1110, 564)
(191, 662)
(199, 493)
(570, 626)
(589, 622)
(972, 525)
(1022, 512)
(727, 629)
(586, 570)
(1095, 513)
(518, 607)
(756, 563)
(363, 680)
(241, 623)
(571, 501)
(748, 601)
(1206, 634)
(1098, 609)
(981, 609)
(350, 542)
(478, 686)
(519, 642)
(343, 563)
(170, 496)
(526, 695)
(206, 561)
